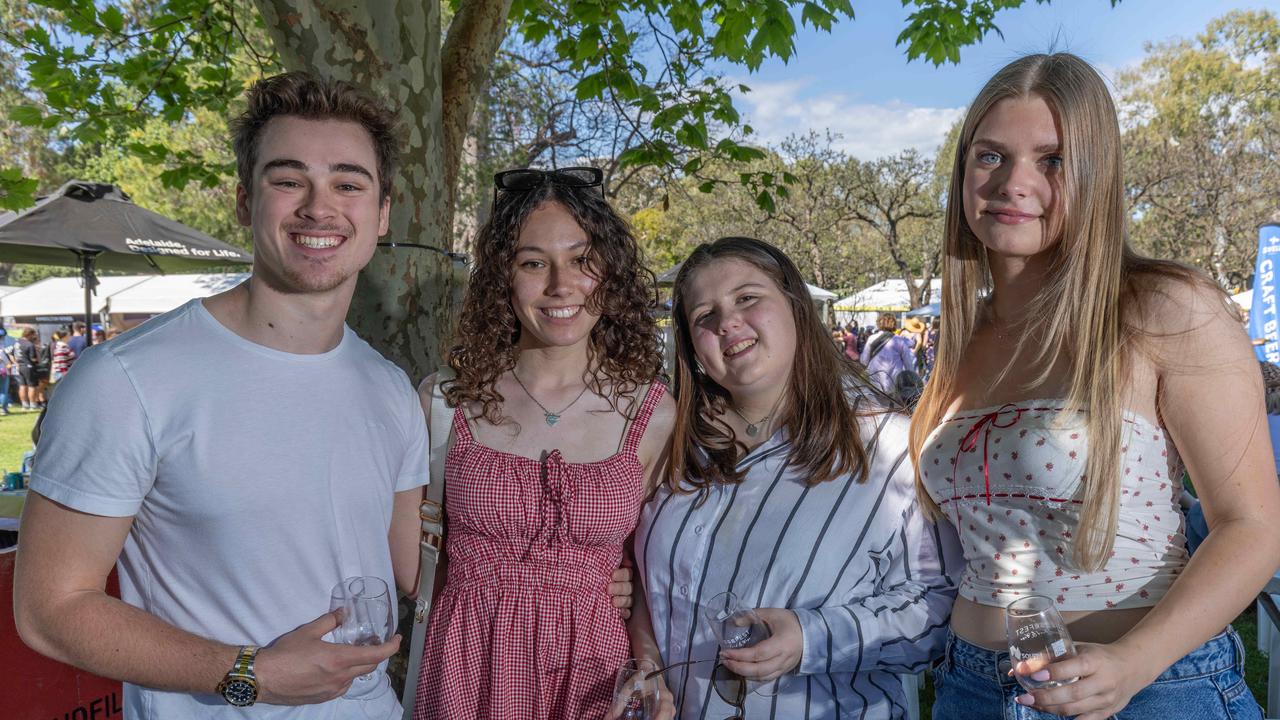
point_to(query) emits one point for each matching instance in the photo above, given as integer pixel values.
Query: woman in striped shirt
(789, 486)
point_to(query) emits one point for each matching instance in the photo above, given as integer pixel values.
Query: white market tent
(63, 297)
(889, 296)
(1243, 299)
(819, 295)
(163, 293)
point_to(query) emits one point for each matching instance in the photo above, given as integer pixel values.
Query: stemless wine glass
(635, 693)
(1037, 637)
(739, 627)
(368, 617)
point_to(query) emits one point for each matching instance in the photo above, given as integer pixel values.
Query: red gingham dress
(524, 627)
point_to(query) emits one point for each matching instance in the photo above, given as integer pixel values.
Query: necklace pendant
(552, 418)
(752, 430)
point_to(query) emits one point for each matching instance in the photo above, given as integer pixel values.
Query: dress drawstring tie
(969, 443)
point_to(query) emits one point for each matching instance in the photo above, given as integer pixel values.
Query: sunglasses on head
(526, 179)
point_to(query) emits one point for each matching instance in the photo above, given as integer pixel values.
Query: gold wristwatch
(240, 686)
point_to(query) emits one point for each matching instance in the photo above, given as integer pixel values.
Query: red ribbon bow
(969, 443)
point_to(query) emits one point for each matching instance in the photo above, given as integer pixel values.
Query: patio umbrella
(96, 226)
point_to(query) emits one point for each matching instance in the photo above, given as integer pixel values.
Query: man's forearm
(98, 633)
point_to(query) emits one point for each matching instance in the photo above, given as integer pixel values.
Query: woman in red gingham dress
(549, 458)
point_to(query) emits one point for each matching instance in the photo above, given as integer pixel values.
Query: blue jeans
(970, 684)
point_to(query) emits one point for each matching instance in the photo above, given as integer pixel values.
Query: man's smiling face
(314, 207)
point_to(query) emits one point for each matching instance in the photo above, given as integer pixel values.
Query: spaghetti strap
(651, 399)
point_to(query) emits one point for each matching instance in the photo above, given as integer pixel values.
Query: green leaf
(27, 115)
(36, 36)
(765, 201)
(708, 186)
(156, 153)
(112, 18)
(592, 86)
(176, 178)
(16, 192)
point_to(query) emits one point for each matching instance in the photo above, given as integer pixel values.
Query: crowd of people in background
(899, 359)
(30, 366)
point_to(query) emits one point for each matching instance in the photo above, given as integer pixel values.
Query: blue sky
(856, 82)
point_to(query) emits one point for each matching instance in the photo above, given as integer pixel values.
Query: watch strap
(244, 661)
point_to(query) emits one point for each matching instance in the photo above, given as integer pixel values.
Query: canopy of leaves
(1202, 134)
(100, 68)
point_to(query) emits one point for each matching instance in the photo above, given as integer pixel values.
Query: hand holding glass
(635, 693)
(1037, 637)
(367, 610)
(738, 627)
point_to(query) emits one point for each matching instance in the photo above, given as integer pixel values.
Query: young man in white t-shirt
(240, 455)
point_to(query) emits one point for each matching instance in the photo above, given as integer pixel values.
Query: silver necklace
(753, 428)
(551, 418)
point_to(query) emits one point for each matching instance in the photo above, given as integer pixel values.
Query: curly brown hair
(624, 351)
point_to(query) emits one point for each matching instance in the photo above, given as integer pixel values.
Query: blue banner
(1264, 324)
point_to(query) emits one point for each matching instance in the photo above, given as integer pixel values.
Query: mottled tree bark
(406, 297)
(475, 34)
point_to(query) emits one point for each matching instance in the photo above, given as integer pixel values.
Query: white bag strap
(431, 542)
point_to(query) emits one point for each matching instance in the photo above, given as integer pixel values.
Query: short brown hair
(887, 321)
(303, 95)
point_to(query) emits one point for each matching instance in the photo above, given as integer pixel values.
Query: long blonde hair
(1092, 272)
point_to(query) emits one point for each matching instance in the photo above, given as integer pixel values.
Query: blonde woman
(1060, 411)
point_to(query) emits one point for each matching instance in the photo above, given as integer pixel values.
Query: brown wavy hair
(624, 351)
(310, 97)
(818, 412)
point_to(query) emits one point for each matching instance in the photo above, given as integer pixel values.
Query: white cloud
(869, 130)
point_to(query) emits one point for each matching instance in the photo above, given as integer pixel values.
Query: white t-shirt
(257, 480)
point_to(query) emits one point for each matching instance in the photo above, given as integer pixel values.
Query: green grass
(15, 437)
(1255, 664)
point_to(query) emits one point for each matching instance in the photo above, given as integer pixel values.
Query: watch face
(240, 692)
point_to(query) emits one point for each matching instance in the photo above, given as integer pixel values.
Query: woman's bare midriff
(983, 625)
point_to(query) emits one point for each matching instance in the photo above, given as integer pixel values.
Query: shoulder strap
(441, 427)
(431, 541)
(878, 343)
(651, 399)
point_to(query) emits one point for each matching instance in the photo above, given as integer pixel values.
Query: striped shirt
(867, 576)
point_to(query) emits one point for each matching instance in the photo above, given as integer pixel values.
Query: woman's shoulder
(1186, 323)
(1175, 299)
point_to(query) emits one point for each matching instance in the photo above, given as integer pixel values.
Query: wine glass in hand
(737, 627)
(1037, 637)
(635, 693)
(368, 615)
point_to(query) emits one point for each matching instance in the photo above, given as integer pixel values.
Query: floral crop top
(1009, 479)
